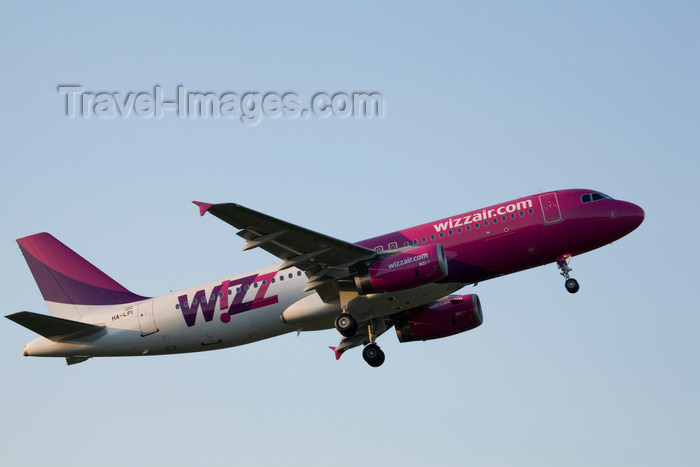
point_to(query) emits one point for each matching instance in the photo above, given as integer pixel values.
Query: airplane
(405, 279)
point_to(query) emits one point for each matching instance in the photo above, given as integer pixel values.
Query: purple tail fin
(68, 282)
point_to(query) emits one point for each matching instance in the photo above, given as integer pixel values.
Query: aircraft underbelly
(310, 313)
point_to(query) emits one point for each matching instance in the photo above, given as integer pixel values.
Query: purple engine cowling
(405, 270)
(441, 319)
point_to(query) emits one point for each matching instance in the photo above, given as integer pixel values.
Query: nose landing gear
(571, 284)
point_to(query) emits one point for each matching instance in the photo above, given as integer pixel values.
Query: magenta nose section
(631, 214)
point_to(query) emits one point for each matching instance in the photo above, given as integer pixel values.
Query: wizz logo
(234, 290)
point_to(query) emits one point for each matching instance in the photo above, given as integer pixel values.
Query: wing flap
(52, 328)
(301, 260)
(262, 239)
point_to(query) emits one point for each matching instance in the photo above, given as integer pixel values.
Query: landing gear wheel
(563, 264)
(571, 285)
(373, 355)
(346, 325)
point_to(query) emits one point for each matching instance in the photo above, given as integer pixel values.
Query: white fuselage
(157, 326)
(233, 311)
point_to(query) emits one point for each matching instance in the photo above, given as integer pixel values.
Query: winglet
(338, 353)
(203, 207)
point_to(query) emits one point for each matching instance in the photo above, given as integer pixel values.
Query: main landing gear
(372, 354)
(571, 284)
(347, 326)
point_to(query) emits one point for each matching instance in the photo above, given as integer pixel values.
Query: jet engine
(442, 318)
(405, 270)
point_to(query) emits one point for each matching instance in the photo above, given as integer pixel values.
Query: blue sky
(484, 102)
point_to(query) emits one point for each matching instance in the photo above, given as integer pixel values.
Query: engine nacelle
(405, 270)
(441, 319)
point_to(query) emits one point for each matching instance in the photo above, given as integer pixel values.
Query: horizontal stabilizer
(55, 329)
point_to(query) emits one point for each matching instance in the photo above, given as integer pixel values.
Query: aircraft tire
(373, 355)
(571, 285)
(346, 324)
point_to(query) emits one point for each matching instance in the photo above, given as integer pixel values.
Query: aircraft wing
(324, 259)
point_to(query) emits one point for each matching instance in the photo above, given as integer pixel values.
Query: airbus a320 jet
(405, 279)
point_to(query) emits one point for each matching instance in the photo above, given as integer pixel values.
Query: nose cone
(635, 215)
(631, 214)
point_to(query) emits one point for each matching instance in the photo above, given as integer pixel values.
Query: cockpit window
(588, 197)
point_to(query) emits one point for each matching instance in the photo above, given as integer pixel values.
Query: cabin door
(550, 208)
(147, 321)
